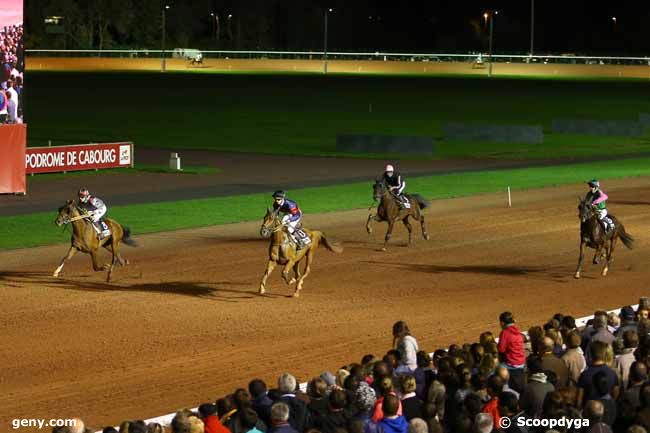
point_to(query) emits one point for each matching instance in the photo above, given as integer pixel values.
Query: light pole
(485, 18)
(532, 26)
(614, 21)
(164, 19)
(327, 12)
(492, 15)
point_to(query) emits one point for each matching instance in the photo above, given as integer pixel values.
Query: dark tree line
(580, 26)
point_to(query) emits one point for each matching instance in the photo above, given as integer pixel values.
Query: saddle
(403, 201)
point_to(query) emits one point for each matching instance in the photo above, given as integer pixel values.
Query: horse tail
(126, 237)
(333, 246)
(626, 238)
(421, 201)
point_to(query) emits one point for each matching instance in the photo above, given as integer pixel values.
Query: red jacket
(213, 425)
(492, 407)
(511, 346)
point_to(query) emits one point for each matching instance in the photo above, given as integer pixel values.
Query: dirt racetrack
(34, 63)
(183, 323)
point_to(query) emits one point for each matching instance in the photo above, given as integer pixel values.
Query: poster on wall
(12, 61)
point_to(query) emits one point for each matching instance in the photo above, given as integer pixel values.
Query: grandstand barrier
(77, 157)
(533, 134)
(362, 143)
(629, 128)
(167, 419)
(13, 140)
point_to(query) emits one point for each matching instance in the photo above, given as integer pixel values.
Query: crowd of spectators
(594, 379)
(11, 74)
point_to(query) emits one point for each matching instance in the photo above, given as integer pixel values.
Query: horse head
(66, 212)
(585, 210)
(270, 223)
(378, 189)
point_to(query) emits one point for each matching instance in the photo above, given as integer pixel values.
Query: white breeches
(291, 225)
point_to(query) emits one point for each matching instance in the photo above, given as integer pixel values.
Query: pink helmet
(389, 168)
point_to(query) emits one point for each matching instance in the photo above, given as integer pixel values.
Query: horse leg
(120, 260)
(71, 252)
(269, 268)
(608, 259)
(371, 217)
(96, 267)
(113, 259)
(296, 273)
(425, 234)
(310, 258)
(389, 233)
(581, 259)
(598, 254)
(409, 227)
(287, 268)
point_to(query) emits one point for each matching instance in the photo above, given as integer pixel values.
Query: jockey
(597, 198)
(395, 183)
(96, 211)
(291, 219)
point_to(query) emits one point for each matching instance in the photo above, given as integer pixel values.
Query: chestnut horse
(84, 238)
(282, 251)
(389, 210)
(592, 235)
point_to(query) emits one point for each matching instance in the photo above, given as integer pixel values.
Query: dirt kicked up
(184, 324)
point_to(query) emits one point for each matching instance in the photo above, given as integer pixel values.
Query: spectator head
(196, 425)
(338, 399)
(636, 429)
(287, 383)
(364, 398)
(594, 411)
(534, 364)
(644, 303)
(242, 398)
(503, 373)
(207, 409)
(408, 384)
(569, 323)
(279, 413)
(627, 314)
(225, 405)
(630, 339)
(556, 336)
(437, 394)
(357, 371)
(638, 372)
(341, 375)
(367, 359)
(400, 330)
(385, 386)
(600, 321)
(154, 427)
(61, 429)
(613, 320)
(390, 406)
(494, 385)
(569, 396)
(506, 319)
(535, 333)
(423, 359)
(553, 405)
(483, 423)
(485, 338)
(181, 422)
(573, 340)
(329, 378)
(381, 370)
(317, 388)
(418, 425)
(508, 404)
(77, 426)
(546, 345)
(598, 351)
(355, 426)
(248, 418)
(257, 388)
(105, 430)
(392, 358)
(473, 404)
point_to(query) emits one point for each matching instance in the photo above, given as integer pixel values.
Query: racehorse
(84, 238)
(282, 251)
(592, 235)
(389, 210)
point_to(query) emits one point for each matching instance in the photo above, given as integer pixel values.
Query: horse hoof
(293, 280)
(604, 273)
(262, 291)
(426, 237)
(55, 275)
(577, 276)
(296, 294)
(383, 249)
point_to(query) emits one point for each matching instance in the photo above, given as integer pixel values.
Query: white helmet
(389, 168)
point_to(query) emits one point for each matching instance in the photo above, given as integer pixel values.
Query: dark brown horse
(592, 235)
(282, 251)
(389, 210)
(84, 238)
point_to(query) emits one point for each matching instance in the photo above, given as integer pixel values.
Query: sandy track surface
(376, 66)
(183, 324)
